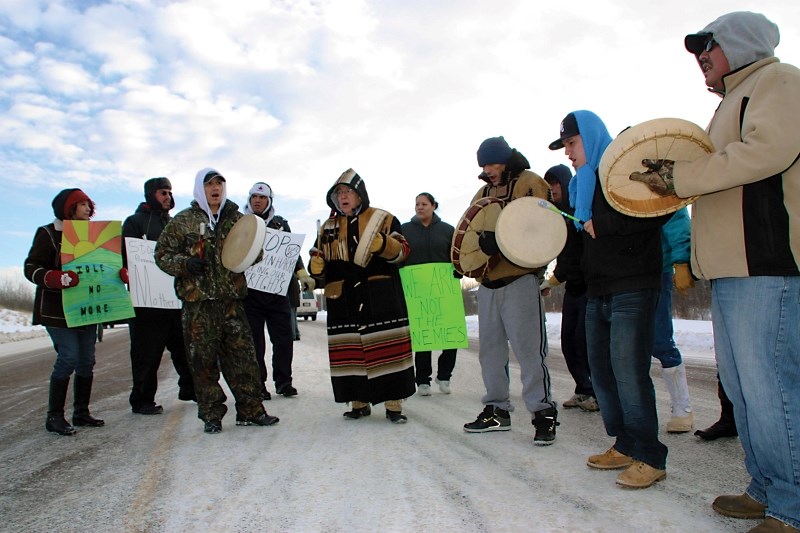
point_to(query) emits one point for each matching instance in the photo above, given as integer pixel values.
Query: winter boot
(726, 425)
(682, 419)
(55, 412)
(80, 409)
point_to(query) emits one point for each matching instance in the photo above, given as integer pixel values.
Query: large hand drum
(243, 244)
(465, 252)
(530, 235)
(664, 138)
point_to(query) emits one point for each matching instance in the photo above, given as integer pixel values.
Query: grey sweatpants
(513, 314)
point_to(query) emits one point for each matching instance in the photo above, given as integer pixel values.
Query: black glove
(457, 274)
(488, 243)
(196, 266)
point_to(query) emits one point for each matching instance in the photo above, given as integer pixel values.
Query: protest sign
(150, 286)
(435, 307)
(274, 272)
(92, 250)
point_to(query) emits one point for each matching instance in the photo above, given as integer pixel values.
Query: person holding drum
(357, 259)
(214, 321)
(152, 329)
(622, 268)
(746, 240)
(509, 305)
(573, 307)
(273, 310)
(430, 238)
(74, 346)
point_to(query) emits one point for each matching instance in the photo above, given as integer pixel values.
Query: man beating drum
(509, 306)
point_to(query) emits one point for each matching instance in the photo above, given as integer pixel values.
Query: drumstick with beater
(554, 209)
(202, 235)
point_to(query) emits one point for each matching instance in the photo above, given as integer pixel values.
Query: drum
(529, 234)
(363, 256)
(465, 253)
(243, 244)
(665, 138)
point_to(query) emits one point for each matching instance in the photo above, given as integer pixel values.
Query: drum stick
(202, 235)
(554, 209)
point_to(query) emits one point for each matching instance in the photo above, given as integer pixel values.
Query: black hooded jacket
(568, 264)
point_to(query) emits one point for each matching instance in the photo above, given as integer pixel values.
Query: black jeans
(274, 311)
(446, 363)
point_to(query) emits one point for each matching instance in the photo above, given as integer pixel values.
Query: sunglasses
(710, 44)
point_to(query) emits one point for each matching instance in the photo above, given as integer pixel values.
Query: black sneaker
(545, 422)
(490, 419)
(286, 390)
(396, 417)
(213, 426)
(263, 419)
(148, 409)
(357, 413)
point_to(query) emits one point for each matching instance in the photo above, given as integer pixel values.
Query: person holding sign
(510, 307)
(215, 324)
(154, 329)
(74, 346)
(273, 310)
(429, 238)
(357, 258)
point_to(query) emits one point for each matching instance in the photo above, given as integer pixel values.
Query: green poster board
(435, 307)
(92, 250)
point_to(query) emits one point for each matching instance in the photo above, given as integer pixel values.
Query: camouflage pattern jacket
(180, 241)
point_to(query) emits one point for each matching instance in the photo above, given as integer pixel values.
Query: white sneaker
(424, 390)
(444, 386)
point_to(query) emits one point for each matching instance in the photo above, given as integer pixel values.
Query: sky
(104, 95)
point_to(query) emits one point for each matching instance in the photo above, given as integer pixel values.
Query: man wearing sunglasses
(746, 240)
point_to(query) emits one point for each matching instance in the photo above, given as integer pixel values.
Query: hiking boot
(148, 409)
(640, 476)
(589, 404)
(357, 412)
(213, 426)
(772, 524)
(262, 419)
(58, 424)
(490, 419)
(720, 428)
(740, 506)
(424, 389)
(680, 424)
(575, 401)
(397, 417)
(444, 386)
(286, 390)
(610, 459)
(545, 422)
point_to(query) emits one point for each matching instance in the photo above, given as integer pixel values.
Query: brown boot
(610, 459)
(640, 476)
(740, 506)
(772, 525)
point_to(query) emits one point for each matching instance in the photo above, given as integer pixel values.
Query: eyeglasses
(343, 191)
(710, 44)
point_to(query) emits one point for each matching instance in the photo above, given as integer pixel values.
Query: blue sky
(104, 95)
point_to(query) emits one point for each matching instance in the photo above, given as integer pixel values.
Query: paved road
(314, 472)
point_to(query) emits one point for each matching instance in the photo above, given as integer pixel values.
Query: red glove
(60, 279)
(123, 275)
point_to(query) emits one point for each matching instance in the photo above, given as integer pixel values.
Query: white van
(308, 306)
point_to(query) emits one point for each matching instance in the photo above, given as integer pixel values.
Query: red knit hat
(74, 198)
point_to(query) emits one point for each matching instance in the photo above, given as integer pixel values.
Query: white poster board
(275, 270)
(150, 286)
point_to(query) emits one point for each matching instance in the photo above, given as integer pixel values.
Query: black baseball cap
(569, 128)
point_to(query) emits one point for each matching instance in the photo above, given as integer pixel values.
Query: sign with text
(92, 251)
(150, 286)
(275, 270)
(435, 307)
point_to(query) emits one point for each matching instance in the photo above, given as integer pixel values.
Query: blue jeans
(74, 350)
(757, 340)
(619, 335)
(664, 348)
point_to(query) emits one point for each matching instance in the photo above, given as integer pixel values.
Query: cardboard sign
(435, 307)
(92, 250)
(150, 286)
(274, 273)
